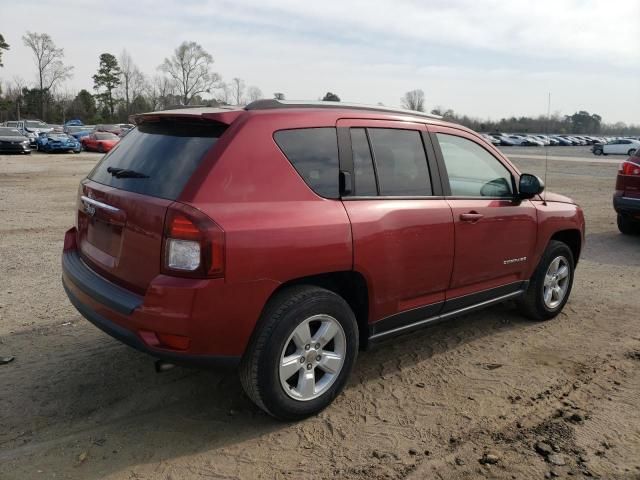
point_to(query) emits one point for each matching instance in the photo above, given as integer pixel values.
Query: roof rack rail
(271, 104)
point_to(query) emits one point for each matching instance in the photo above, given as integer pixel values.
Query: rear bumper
(626, 205)
(130, 338)
(130, 318)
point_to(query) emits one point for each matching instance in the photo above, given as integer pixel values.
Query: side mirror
(530, 186)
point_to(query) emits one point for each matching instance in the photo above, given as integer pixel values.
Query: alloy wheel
(556, 282)
(312, 357)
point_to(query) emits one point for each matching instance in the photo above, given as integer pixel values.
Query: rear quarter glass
(165, 153)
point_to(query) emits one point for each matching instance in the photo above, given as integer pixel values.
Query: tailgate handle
(115, 215)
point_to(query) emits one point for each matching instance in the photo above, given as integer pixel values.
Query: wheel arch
(350, 285)
(572, 238)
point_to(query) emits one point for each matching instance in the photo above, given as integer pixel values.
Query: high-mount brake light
(193, 244)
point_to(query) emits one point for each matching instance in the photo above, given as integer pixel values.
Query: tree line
(581, 122)
(187, 77)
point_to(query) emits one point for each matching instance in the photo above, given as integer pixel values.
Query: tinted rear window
(165, 154)
(314, 154)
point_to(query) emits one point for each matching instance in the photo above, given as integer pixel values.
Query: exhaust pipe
(162, 366)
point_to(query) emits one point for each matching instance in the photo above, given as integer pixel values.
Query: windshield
(106, 136)
(108, 128)
(35, 124)
(10, 132)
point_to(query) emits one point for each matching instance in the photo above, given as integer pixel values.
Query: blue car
(58, 142)
(74, 123)
(78, 132)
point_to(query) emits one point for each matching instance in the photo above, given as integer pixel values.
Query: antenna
(546, 149)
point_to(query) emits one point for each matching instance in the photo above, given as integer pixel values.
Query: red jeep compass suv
(283, 237)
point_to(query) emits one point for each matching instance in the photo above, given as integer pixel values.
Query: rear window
(313, 152)
(157, 158)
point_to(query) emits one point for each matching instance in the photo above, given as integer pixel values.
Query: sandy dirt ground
(489, 395)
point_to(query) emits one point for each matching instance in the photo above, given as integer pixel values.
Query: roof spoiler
(222, 115)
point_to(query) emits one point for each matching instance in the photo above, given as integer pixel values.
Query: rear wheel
(100, 148)
(631, 152)
(551, 283)
(301, 354)
(597, 151)
(628, 226)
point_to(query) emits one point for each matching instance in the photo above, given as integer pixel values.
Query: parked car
(626, 199)
(546, 141)
(563, 142)
(490, 139)
(29, 128)
(525, 141)
(73, 123)
(58, 142)
(624, 146)
(111, 128)
(99, 141)
(78, 132)
(504, 139)
(283, 237)
(12, 141)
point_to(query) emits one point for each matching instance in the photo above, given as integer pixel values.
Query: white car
(622, 146)
(490, 139)
(525, 140)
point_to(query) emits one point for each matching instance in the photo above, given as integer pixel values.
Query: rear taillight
(629, 168)
(192, 244)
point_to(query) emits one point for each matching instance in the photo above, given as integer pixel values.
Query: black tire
(631, 152)
(259, 369)
(532, 304)
(100, 148)
(628, 226)
(597, 151)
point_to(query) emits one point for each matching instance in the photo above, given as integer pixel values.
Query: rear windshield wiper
(125, 173)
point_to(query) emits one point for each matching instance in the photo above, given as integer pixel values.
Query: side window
(365, 178)
(313, 152)
(400, 162)
(472, 171)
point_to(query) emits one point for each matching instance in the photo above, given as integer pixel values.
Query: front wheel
(301, 353)
(597, 151)
(630, 152)
(551, 283)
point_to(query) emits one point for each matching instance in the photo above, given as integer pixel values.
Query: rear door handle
(471, 217)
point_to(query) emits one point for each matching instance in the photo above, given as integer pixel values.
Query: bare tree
(254, 93)
(413, 100)
(64, 98)
(190, 68)
(237, 89)
(48, 60)
(133, 81)
(158, 90)
(278, 96)
(13, 93)
(224, 97)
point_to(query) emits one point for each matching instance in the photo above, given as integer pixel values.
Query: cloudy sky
(489, 58)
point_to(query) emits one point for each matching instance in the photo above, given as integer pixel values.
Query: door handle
(471, 217)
